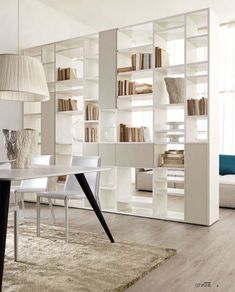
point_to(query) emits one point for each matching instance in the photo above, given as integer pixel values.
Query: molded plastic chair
(34, 185)
(72, 189)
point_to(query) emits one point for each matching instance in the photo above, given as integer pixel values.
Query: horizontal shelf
(34, 115)
(91, 121)
(63, 143)
(137, 108)
(198, 79)
(169, 131)
(148, 48)
(174, 69)
(70, 113)
(198, 41)
(171, 105)
(198, 66)
(169, 143)
(138, 74)
(49, 64)
(171, 167)
(79, 82)
(171, 34)
(70, 92)
(144, 96)
(197, 117)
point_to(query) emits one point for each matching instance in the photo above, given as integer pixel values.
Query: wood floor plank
(204, 254)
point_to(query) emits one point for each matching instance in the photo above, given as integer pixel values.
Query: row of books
(197, 106)
(91, 134)
(126, 87)
(141, 61)
(134, 134)
(67, 105)
(66, 74)
(92, 112)
(172, 158)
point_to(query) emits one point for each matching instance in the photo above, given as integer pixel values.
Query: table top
(45, 171)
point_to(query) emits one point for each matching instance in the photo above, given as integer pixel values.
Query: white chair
(33, 185)
(72, 189)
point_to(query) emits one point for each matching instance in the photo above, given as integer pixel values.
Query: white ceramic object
(20, 146)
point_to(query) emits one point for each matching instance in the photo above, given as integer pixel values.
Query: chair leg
(66, 220)
(22, 204)
(38, 215)
(16, 234)
(52, 210)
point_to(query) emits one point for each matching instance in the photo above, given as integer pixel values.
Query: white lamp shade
(22, 78)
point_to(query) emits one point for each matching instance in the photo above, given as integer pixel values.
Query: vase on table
(20, 145)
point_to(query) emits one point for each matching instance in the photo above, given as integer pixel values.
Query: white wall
(39, 24)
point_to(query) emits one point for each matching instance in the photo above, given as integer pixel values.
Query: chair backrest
(41, 183)
(93, 178)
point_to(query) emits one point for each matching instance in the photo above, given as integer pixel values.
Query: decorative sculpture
(20, 146)
(175, 89)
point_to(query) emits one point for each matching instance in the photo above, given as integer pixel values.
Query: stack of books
(134, 134)
(141, 61)
(124, 69)
(197, 107)
(92, 112)
(67, 105)
(91, 134)
(66, 74)
(143, 88)
(161, 57)
(126, 87)
(172, 158)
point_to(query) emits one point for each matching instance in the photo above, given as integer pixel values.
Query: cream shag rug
(89, 262)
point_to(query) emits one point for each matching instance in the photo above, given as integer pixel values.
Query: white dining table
(8, 175)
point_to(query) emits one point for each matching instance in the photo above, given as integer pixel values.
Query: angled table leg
(4, 207)
(86, 189)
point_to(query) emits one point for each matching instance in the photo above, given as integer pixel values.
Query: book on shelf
(124, 69)
(91, 134)
(134, 134)
(66, 74)
(141, 61)
(92, 112)
(161, 57)
(67, 105)
(172, 158)
(197, 107)
(126, 87)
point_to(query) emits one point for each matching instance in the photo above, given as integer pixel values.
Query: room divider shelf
(187, 44)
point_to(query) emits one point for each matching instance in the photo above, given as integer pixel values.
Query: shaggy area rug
(89, 262)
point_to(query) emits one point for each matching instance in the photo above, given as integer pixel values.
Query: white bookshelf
(190, 40)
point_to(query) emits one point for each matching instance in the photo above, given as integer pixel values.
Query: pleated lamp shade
(22, 78)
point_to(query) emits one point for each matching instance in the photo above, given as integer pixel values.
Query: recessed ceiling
(105, 14)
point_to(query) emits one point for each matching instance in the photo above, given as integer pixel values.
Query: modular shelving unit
(190, 40)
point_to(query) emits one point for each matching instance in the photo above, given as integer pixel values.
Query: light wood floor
(204, 254)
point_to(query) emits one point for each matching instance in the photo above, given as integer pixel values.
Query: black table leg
(4, 207)
(86, 189)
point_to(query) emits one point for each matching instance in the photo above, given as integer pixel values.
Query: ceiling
(105, 14)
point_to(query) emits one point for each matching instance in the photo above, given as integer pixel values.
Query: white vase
(20, 146)
(175, 89)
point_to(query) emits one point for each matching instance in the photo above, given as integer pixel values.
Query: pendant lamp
(22, 78)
